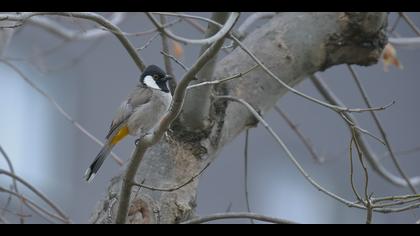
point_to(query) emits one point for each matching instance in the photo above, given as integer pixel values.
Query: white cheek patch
(150, 82)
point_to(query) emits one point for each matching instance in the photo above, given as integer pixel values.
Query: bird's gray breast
(147, 115)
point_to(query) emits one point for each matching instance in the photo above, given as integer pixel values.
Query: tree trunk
(293, 46)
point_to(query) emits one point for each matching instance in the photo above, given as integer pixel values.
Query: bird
(137, 115)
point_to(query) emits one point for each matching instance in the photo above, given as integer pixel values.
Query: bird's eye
(155, 77)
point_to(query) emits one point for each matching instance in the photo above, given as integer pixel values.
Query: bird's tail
(97, 163)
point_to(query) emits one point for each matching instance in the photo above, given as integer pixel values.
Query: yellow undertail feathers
(120, 135)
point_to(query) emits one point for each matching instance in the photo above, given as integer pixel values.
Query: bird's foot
(138, 140)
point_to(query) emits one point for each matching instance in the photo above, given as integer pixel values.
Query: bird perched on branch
(138, 114)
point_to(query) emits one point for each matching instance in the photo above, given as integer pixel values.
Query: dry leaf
(177, 49)
(389, 56)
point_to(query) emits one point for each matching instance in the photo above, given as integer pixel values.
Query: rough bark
(195, 115)
(292, 45)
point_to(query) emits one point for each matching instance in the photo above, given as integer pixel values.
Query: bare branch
(38, 193)
(148, 42)
(367, 205)
(367, 150)
(171, 189)
(176, 106)
(89, 16)
(10, 165)
(214, 82)
(289, 154)
(238, 215)
(146, 32)
(69, 34)
(292, 90)
(248, 208)
(184, 67)
(381, 129)
(60, 109)
(410, 23)
(206, 41)
(35, 207)
(196, 113)
(167, 62)
(353, 187)
(411, 43)
(299, 134)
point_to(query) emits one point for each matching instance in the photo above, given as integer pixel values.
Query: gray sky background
(47, 150)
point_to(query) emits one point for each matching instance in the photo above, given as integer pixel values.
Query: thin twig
(302, 138)
(329, 96)
(146, 32)
(353, 187)
(303, 172)
(238, 215)
(69, 34)
(167, 62)
(175, 60)
(368, 203)
(248, 208)
(394, 26)
(396, 203)
(406, 42)
(38, 193)
(171, 189)
(60, 109)
(289, 154)
(12, 170)
(10, 165)
(88, 16)
(148, 42)
(175, 37)
(292, 90)
(410, 23)
(404, 152)
(394, 198)
(77, 59)
(381, 129)
(35, 207)
(213, 82)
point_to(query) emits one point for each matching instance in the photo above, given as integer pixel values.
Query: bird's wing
(137, 98)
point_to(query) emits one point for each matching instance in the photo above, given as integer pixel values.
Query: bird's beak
(168, 77)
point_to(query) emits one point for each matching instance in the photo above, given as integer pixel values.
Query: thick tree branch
(195, 115)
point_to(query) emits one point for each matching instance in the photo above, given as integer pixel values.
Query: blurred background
(89, 79)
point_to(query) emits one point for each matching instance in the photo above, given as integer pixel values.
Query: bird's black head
(155, 77)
